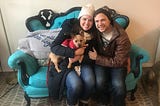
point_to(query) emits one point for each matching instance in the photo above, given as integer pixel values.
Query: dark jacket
(116, 52)
(56, 81)
(68, 27)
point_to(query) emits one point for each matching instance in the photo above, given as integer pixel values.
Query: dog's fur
(79, 40)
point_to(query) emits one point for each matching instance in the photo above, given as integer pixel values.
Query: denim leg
(118, 87)
(102, 78)
(88, 79)
(102, 85)
(74, 87)
(111, 79)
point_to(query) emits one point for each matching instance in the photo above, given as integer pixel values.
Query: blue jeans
(80, 87)
(112, 80)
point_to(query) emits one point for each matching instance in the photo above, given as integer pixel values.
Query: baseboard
(147, 64)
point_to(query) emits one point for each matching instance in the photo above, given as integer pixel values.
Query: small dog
(76, 41)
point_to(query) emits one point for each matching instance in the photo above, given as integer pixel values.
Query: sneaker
(71, 105)
(83, 103)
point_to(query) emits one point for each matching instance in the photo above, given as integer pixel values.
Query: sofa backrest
(59, 19)
(45, 27)
(52, 21)
(47, 19)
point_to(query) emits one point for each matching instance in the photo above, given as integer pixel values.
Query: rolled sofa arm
(138, 57)
(31, 65)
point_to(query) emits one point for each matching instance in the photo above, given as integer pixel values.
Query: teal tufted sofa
(32, 77)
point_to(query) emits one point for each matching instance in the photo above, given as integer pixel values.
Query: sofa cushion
(39, 79)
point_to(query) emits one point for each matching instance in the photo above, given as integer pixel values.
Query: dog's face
(78, 40)
(87, 36)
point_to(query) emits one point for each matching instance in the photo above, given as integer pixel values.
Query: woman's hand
(80, 51)
(75, 59)
(93, 55)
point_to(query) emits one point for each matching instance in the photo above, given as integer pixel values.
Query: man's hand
(93, 55)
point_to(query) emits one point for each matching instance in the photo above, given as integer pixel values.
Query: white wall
(3, 47)
(143, 30)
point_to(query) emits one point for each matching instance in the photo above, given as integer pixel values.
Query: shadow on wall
(150, 42)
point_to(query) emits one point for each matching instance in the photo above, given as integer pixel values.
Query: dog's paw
(59, 70)
(77, 69)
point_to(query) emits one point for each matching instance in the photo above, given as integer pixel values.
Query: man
(111, 57)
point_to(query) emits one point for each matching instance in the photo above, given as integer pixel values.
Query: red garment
(69, 43)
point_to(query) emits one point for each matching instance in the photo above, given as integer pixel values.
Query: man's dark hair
(106, 11)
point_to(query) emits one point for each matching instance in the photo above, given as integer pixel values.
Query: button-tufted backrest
(41, 22)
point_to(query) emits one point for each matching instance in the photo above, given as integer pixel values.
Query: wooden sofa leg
(27, 99)
(132, 96)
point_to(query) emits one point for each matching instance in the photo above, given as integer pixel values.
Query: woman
(112, 57)
(77, 87)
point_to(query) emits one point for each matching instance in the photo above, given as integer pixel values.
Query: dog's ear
(81, 32)
(72, 35)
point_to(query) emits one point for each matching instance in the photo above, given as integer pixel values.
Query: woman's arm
(56, 46)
